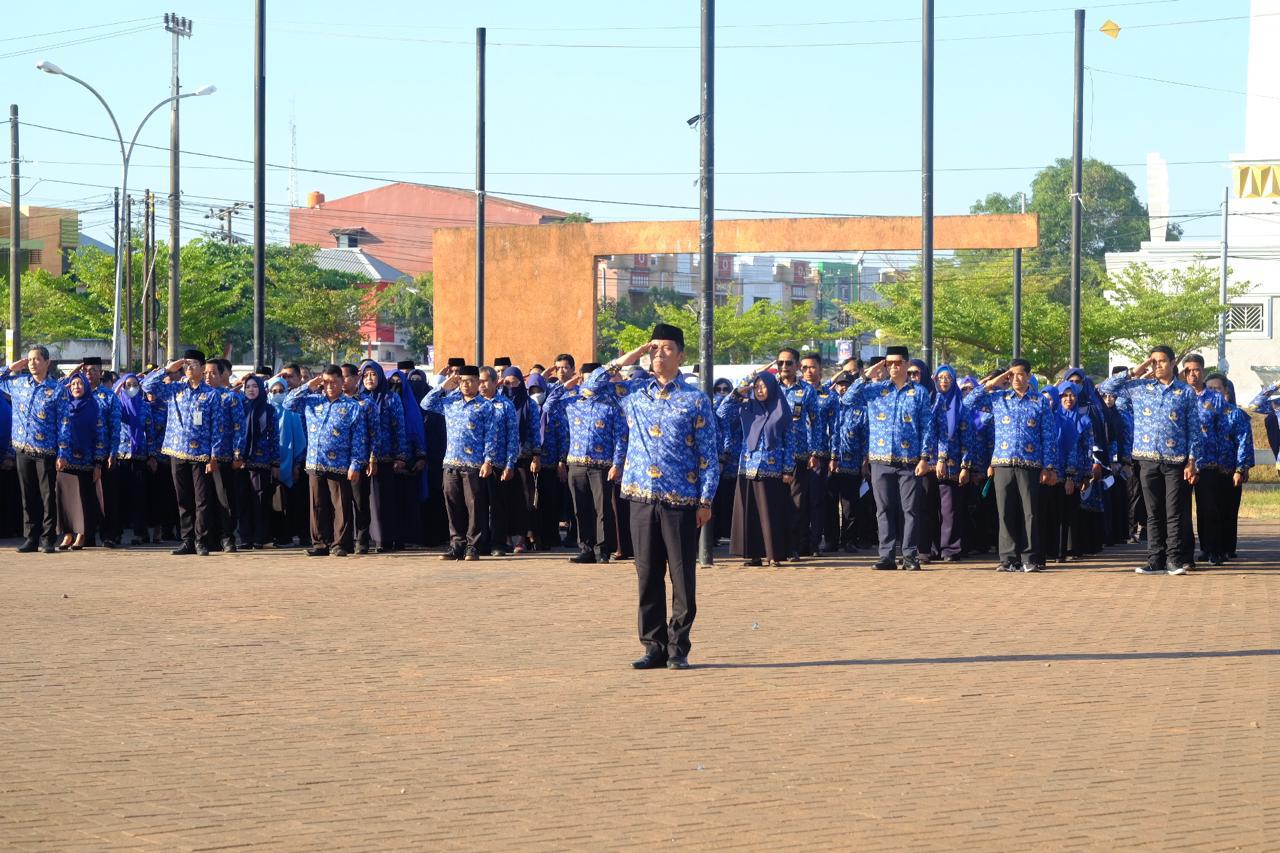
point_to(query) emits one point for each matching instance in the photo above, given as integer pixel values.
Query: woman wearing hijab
(257, 468)
(374, 494)
(951, 423)
(1237, 458)
(292, 441)
(729, 431)
(765, 470)
(1089, 525)
(136, 454)
(412, 486)
(10, 491)
(520, 489)
(82, 450)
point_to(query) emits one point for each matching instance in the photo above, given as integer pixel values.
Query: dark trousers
(951, 513)
(817, 497)
(622, 515)
(106, 496)
(1137, 504)
(930, 507)
(497, 533)
(897, 491)
(223, 524)
(666, 541)
(1017, 499)
(798, 526)
(331, 523)
(130, 481)
(408, 509)
(1052, 505)
(38, 475)
(519, 494)
(1168, 500)
(722, 506)
(10, 501)
(194, 489)
(842, 508)
(253, 487)
(593, 508)
(374, 499)
(298, 507)
(1212, 492)
(468, 507)
(1231, 527)
(760, 519)
(162, 504)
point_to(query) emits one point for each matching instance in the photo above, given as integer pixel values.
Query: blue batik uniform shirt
(899, 420)
(671, 445)
(470, 434)
(337, 440)
(803, 400)
(1166, 420)
(109, 405)
(37, 412)
(849, 439)
(506, 431)
(729, 440)
(757, 463)
(596, 430)
(388, 440)
(1025, 429)
(193, 426)
(81, 458)
(826, 408)
(231, 444)
(1211, 406)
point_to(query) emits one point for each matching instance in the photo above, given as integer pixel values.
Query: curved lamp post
(125, 153)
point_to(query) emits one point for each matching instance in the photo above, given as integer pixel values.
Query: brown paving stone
(399, 702)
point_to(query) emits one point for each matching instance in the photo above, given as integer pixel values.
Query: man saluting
(670, 477)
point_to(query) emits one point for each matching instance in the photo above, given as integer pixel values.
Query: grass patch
(1260, 503)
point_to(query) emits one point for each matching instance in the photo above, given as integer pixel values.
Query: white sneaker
(1179, 570)
(1148, 570)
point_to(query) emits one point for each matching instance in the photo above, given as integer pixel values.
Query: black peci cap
(405, 365)
(457, 362)
(194, 355)
(667, 332)
(502, 361)
(93, 361)
(590, 366)
(468, 370)
(902, 351)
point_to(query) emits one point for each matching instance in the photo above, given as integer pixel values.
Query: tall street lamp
(125, 154)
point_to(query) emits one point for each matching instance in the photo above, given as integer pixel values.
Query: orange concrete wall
(540, 289)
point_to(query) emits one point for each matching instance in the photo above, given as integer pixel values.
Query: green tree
(752, 335)
(410, 305)
(1179, 308)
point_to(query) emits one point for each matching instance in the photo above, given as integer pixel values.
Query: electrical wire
(86, 40)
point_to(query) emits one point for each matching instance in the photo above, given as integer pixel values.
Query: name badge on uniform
(797, 412)
(197, 419)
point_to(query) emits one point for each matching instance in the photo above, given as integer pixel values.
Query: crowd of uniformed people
(620, 461)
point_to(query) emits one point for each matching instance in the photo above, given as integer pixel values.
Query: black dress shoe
(452, 554)
(651, 660)
(678, 662)
(228, 546)
(886, 564)
(202, 551)
(48, 548)
(110, 544)
(362, 549)
(338, 552)
(583, 557)
(28, 548)
(317, 552)
(603, 557)
(183, 550)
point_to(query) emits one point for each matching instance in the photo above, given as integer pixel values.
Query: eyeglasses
(785, 362)
(913, 372)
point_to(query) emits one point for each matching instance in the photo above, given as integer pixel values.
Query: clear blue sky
(387, 87)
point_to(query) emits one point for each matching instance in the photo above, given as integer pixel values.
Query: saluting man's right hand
(19, 365)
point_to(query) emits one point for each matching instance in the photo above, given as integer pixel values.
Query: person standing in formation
(766, 468)
(82, 453)
(670, 477)
(376, 518)
(825, 408)
(1168, 443)
(136, 452)
(337, 453)
(1213, 485)
(589, 447)
(217, 375)
(471, 452)
(256, 466)
(900, 432)
(848, 456)
(502, 490)
(38, 402)
(803, 400)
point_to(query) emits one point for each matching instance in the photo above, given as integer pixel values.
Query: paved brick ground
(402, 702)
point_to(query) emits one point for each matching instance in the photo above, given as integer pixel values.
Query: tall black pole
(1077, 167)
(180, 28)
(148, 282)
(926, 182)
(14, 342)
(1017, 293)
(707, 235)
(260, 184)
(479, 195)
(128, 283)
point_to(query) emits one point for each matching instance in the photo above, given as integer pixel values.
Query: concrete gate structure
(540, 280)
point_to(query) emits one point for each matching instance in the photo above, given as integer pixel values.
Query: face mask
(538, 396)
(133, 391)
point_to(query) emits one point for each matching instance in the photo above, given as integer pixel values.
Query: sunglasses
(785, 362)
(913, 372)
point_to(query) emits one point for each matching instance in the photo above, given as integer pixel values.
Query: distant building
(381, 341)
(49, 236)
(1253, 245)
(396, 221)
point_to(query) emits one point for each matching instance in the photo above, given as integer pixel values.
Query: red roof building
(395, 222)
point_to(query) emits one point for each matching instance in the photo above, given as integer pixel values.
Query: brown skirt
(760, 519)
(77, 502)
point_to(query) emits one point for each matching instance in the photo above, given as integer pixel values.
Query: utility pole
(225, 214)
(1017, 290)
(260, 183)
(180, 28)
(148, 280)
(1077, 168)
(14, 337)
(128, 284)
(707, 235)
(926, 182)
(480, 40)
(1223, 366)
